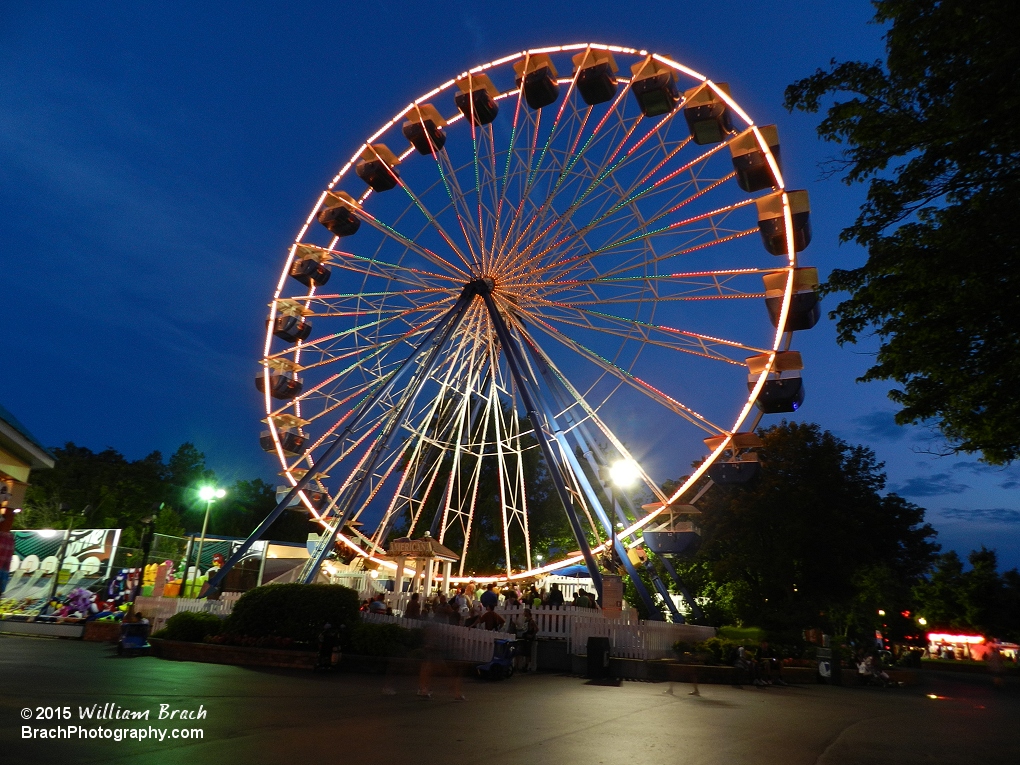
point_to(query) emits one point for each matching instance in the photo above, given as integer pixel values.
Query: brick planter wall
(102, 632)
(228, 654)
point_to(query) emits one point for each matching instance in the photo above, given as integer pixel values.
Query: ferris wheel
(550, 264)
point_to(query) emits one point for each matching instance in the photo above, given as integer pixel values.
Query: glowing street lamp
(622, 475)
(209, 494)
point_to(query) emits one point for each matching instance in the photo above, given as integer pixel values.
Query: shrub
(295, 611)
(190, 626)
(384, 640)
(742, 635)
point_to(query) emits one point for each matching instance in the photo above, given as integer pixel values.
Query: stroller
(134, 638)
(501, 665)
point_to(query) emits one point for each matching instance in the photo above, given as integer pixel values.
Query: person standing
(528, 631)
(490, 620)
(413, 610)
(490, 598)
(555, 596)
(6, 546)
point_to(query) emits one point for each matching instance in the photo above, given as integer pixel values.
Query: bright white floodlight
(208, 493)
(623, 473)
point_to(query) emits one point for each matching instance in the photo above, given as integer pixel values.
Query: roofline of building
(25, 446)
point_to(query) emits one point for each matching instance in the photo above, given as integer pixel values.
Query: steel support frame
(452, 316)
(517, 366)
(671, 570)
(399, 414)
(620, 549)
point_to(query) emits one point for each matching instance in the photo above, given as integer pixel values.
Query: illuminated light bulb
(623, 473)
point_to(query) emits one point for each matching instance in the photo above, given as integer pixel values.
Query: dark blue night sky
(157, 159)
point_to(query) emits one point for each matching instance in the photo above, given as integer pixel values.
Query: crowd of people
(469, 605)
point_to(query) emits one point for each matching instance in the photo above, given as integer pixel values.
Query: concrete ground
(289, 716)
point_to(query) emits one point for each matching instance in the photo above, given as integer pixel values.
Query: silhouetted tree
(932, 132)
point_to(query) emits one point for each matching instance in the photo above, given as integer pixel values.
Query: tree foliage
(979, 599)
(932, 132)
(107, 490)
(812, 541)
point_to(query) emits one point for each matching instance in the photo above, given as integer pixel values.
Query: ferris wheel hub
(482, 286)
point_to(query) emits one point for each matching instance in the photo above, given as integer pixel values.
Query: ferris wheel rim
(642, 522)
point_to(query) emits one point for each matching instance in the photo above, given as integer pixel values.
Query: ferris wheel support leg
(678, 618)
(593, 499)
(671, 570)
(589, 446)
(449, 325)
(452, 316)
(515, 362)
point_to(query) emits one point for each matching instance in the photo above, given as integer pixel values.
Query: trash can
(598, 658)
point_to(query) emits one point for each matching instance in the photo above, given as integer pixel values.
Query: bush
(295, 611)
(384, 640)
(910, 659)
(743, 635)
(190, 626)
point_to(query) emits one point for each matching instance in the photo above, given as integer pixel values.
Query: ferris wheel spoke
(410, 244)
(614, 164)
(433, 222)
(693, 286)
(392, 272)
(634, 329)
(632, 199)
(461, 205)
(568, 241)
(336, 304)
(575, 398)
(530, 173)
(632, 380)
(711, 227)
(511, 153)
(518, 216)
(436, 309)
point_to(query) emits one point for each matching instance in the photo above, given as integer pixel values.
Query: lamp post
(622, 475)
(209, 494)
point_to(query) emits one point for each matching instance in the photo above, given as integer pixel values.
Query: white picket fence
(629, 638)
(634, 640)
(158, 610)
(458, 643)
(555, 622)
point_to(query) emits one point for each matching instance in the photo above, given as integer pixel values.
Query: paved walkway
(282, 717)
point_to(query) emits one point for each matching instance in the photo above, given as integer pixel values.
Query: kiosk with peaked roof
(427, 553)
